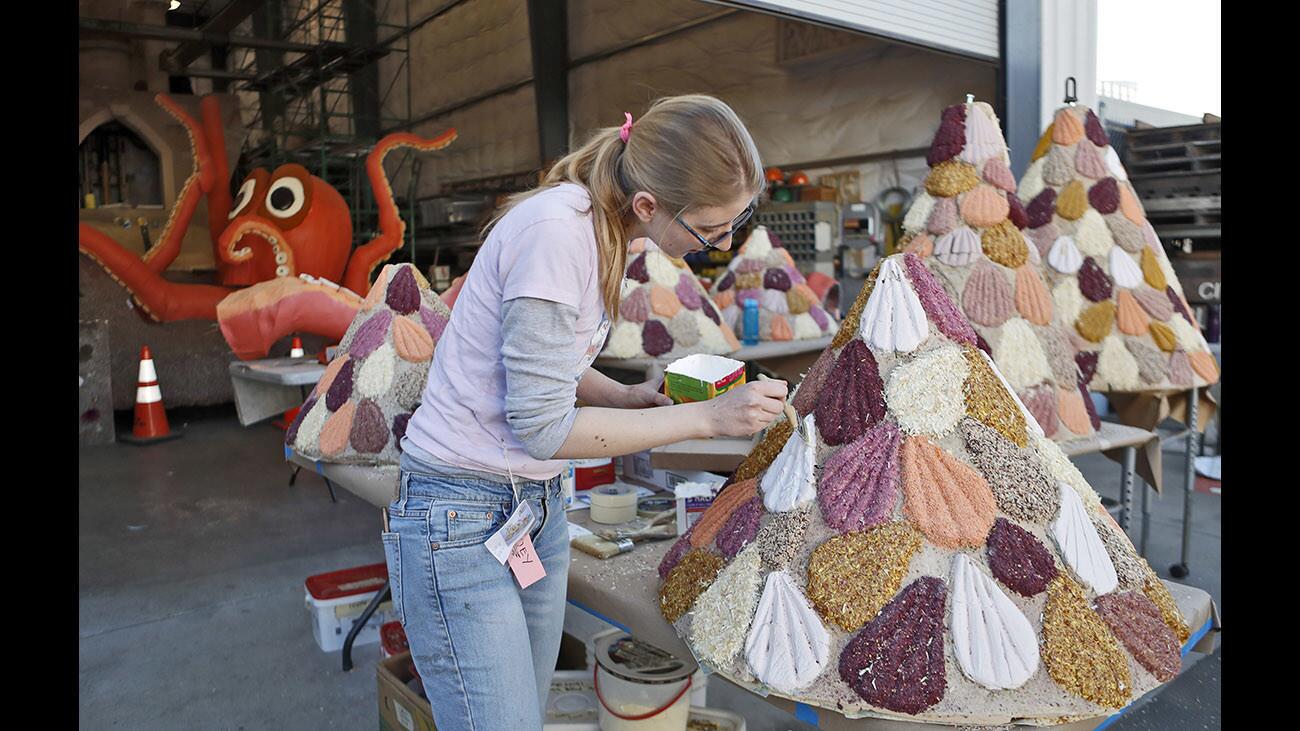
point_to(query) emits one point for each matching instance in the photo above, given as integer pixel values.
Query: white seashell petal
(758, 244)
(1113, 164)
(1079, 544)
(1032, 248)
(1024, 364)
(624, 340)
(1117, 369)
(893, 319)
(919, 213)
(791, 480)
(994, 643)
(787, 647)
(1064, 256)
(959, 247)
(376, 374)
(1067, 300)
(1092, 236)
(926, 395)
(662, 271)
(1032, 184)
(983, 138)
(1123, 269)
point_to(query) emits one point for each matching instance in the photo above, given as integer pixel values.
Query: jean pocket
(457, 523)
(393, 556)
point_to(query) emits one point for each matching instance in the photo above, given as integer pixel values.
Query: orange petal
(985, 206)
(707, 526)
(376, 293)
(1131, 319)
(1067, 128)
(334, 435)
(1205, 366)
(411, 341)
(921, 245)
(1129, 205)
(1032, 299)
(725, 299)
(945, 497)
(664, 301)
(781, 328)
(1072, 411)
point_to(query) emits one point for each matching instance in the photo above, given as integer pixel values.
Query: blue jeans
(485, 649)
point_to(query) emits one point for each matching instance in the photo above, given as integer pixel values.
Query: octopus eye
(285, 198)
(245, 197)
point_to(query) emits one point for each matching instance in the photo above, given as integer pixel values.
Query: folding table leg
(1180, 569)
(1146, 517)
(360, 622)
(1126, 488)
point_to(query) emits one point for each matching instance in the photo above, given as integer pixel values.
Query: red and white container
(335, 599)
(588, 473)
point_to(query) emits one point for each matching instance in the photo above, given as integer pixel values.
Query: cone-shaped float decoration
(358, 411)
(762, 270)
(967, 227)
(1111, 281)
(665, 311)
(914, 549)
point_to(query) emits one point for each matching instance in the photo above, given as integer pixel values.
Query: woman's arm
(598, 389)
(605, 432)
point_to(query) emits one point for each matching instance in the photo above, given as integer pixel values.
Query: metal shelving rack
(320, 127)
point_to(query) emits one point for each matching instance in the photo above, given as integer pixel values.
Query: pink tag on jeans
(525, 563)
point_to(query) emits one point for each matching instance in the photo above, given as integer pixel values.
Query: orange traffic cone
(295, 351)
(150, 416)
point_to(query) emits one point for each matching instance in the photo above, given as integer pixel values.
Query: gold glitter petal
(1080, 652)
(688, 579)
(852, 576)
(987, 400)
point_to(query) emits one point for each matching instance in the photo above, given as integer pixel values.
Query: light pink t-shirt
(545, 247)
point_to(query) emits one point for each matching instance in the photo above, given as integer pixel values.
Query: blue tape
(319, 471)
(288, 453)
(806, 713)
(598, 615)
(1187, 647)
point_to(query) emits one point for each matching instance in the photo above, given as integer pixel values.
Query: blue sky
(1171, 48)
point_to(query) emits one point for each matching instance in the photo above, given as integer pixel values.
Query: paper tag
(404, 717)
(520, 523)
(525, 563)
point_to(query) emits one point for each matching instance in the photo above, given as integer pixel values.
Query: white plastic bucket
(640, 687)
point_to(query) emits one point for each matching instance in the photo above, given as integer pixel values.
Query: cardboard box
(400, 708)
(701, 377)
(636, 470)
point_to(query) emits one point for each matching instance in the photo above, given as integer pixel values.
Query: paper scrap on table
(577, 531)
(693, 489)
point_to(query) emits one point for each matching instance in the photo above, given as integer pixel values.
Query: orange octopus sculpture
(283, 247)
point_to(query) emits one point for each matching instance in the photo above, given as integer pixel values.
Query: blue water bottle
(751, 322)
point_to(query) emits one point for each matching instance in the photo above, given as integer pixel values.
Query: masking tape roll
(612, 504)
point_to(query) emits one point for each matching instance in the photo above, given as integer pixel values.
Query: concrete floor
(192, 556)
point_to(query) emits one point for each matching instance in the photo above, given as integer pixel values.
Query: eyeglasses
(735, 225)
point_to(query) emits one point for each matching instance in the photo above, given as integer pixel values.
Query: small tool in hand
(789, 413)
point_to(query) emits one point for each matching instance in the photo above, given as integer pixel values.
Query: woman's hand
(747, 409)
(641, 396)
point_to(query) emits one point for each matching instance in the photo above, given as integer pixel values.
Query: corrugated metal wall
(862, 97)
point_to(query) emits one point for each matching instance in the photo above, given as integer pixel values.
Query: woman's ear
(643, 206)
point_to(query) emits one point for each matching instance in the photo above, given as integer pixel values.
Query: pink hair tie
(626, 130)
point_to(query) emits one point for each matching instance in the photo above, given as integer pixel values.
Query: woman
(497, 419)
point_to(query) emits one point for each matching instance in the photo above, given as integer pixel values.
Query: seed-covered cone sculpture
(1111, 281)
(966, 226)
(913, 548)
(665, 311)
(762, 270)
(358, 411)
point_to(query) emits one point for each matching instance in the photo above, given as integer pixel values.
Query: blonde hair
(688, 151)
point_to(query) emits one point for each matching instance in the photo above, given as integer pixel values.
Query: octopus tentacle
(392, 227)
(200, 181)
(161, 300)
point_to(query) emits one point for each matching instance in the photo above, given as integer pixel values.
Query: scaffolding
(324, 108)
